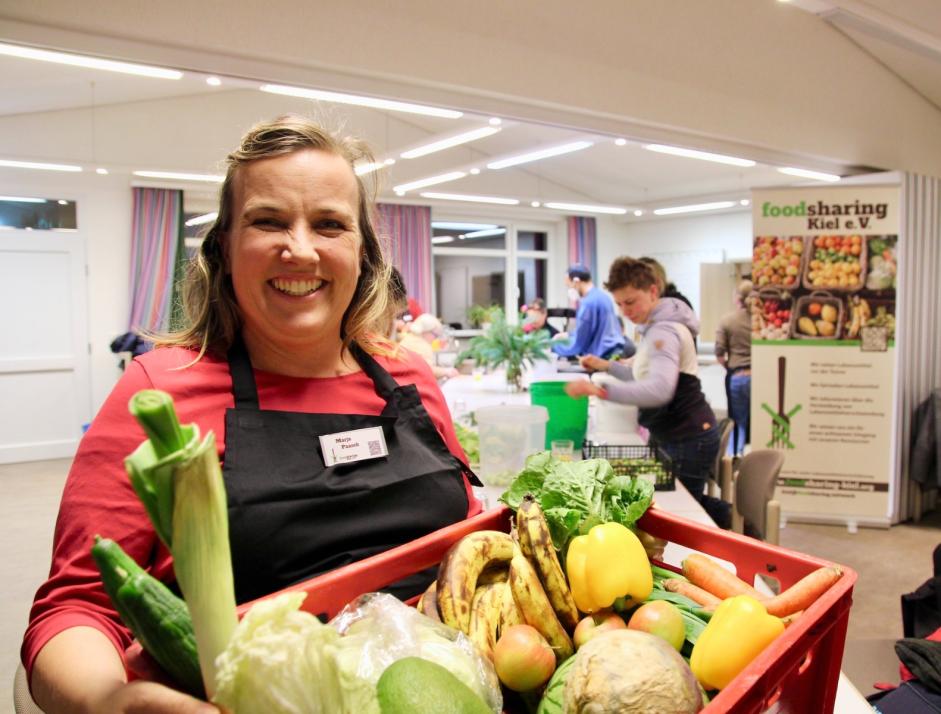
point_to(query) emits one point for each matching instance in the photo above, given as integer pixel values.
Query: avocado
(418, 686)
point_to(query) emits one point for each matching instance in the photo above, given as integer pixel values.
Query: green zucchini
(158, 619)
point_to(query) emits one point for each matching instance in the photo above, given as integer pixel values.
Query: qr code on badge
(874, 339)
(375, 447)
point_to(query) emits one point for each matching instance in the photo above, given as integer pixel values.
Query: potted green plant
(509, 346)
(480, 316)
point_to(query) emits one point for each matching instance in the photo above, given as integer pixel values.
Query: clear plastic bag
(377, 629)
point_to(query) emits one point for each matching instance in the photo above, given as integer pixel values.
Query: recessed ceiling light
(62, 202)
(805, 173)
(539, 154)
(694, 208)
(535, 204)
(486, 233)
(744, 202)
(361, 101)
(456, 226)
(430, 181)
(495, 121)
(22, 199)
(638, 213)
(620, 142)
(471, 198)
(456, 140)
(180, 176)
(200, 220)
(12, 164)
(586, 208)
(101, 171)
(213, 81)
(389, 162)
(88, 62)
(475, 171)
(701, 155)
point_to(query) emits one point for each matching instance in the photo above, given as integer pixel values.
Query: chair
(754, 485)
(720, 482)
(22, 700)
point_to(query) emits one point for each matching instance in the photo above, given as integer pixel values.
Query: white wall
(104, 220)
(680, 244)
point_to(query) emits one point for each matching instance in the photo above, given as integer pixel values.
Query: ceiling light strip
(360, 101)
(141, 70)
(22, 199)
(471, 198)
(805, 173)
(486, 233)
(539, 154)
(694, 208)
(430, 181)
(585, 208)
(701, 155)
(180, 176)
(455, 226)
(200, 220)
(12, 164)
(452, 141)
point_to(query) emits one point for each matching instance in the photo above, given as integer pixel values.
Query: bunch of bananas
(490, 580)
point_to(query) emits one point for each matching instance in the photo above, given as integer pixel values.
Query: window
(44, 214)
(471, 262)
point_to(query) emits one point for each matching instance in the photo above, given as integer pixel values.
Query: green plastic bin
(568, 417)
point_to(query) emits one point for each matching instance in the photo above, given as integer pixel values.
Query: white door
(45, 394)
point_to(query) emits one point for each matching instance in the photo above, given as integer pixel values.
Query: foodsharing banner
(823, 347)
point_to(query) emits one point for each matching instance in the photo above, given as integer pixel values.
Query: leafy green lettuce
(576, 495)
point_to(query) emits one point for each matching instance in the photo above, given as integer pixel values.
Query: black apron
(292, 517)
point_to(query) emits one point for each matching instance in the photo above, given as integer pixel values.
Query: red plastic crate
(797, 673)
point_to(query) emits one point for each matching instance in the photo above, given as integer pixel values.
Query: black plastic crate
(616, 454)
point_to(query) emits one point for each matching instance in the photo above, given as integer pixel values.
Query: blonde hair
(210, 309)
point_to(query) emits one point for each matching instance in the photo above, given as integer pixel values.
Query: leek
(178, 479)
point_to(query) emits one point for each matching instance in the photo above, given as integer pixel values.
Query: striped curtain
(582, 241)
(919, 308)
(156, 256)
(407, 233)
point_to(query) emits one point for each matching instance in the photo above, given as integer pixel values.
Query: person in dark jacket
(662, 379)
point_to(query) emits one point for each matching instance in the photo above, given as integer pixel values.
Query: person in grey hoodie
(662, 379)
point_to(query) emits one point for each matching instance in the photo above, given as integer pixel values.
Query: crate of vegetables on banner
(555, 602)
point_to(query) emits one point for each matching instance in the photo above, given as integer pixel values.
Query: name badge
(345, 447)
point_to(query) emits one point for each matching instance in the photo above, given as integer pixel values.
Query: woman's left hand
(584, 388)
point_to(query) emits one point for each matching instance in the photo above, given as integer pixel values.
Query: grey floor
(889, 563)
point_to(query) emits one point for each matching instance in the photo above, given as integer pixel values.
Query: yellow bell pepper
(739, 630)
(607, 563)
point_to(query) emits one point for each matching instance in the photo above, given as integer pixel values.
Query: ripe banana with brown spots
(460, 570)
(535, 606)
(485, 617)
(428, 602)
(509, 611)
(536, 544)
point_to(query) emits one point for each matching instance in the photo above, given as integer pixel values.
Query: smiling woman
(284, 354)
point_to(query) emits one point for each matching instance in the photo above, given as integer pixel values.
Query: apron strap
(243, 379)
(385, 384)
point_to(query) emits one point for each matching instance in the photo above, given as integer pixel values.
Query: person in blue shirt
(597, 327)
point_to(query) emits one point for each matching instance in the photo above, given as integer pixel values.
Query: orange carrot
(804, 592)
(714, 579)
(693, 592)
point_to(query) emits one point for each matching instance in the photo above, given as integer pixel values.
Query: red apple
(660, 618)
(592, 625)
(523, 659)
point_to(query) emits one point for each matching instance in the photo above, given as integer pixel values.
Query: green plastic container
(568, 417)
